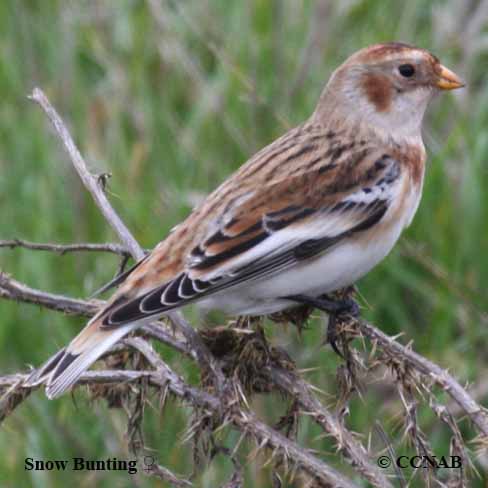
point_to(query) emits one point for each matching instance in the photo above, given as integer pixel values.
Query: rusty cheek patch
(379, 91)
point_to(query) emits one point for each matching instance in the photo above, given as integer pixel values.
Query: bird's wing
(271, 229)
(253, 232)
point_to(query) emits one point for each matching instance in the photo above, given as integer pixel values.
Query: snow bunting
(307, 215)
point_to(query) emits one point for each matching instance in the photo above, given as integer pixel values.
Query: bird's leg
(334, 308)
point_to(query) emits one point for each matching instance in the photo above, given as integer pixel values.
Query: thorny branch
(476, 412)
(226, 401)
(284, 380)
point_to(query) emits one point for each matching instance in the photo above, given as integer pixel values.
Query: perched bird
(307, 215)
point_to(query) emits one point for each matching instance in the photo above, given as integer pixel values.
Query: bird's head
(386, 86)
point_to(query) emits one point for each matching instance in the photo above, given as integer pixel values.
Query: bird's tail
(63, 369)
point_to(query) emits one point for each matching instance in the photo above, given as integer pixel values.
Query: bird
(309, 214)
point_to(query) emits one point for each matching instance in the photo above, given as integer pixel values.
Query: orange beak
(448, 80)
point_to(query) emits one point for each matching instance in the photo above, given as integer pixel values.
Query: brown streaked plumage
(308, 214)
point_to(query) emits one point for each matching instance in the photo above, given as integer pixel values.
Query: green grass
(171, 110)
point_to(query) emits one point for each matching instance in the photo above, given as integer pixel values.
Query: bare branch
(283, 379)
(354, 450)
(11, 289)
(15, 290)
(246, 422)
(65, 248)
(166, 475)
(91, 182)
(477, 414)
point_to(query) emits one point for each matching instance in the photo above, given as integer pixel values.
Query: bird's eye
(406, 70)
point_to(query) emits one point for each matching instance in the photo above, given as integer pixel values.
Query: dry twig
(477, 414)
(66, 248)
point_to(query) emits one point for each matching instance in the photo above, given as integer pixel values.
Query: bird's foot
(337, 309)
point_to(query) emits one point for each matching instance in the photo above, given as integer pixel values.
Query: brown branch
(65, 248)
(289, 451)
(95, 185)
(285, 380)
(164, 376)
(476, 412)
(166, 475)
(246, 421)
(98, 377)
(329, 422)
(15, 290)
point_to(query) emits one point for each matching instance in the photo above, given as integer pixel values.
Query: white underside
(338, 267)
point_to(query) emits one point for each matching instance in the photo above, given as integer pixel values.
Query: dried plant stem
(329, 422)
(65, 248)
(285, 380)
(476, 412)
(165, 474)
(246, 422)
(12, 289)
(94, 184)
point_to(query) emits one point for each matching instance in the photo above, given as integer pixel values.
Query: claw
(331, 335)
(350, 307)
(335, 309)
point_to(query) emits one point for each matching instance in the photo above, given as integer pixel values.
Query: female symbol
(148, 463)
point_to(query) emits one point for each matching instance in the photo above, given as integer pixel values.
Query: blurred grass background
(171, 97)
